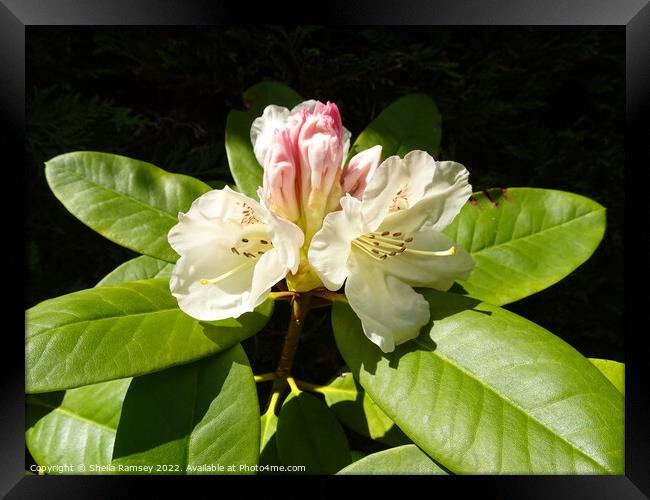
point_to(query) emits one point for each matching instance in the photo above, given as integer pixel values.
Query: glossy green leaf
(524, 240)
(201, 418)
(76, 427)
(121, 331)
(411, 122)
(407, 459)
(130, 202)
(485, 391)
(613, 370)
(268, 449)
(140, 268)
(308, 434)
(244, 167)
(354, 408)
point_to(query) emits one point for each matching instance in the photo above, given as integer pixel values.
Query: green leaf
(75, 427)
(407, 459)
(244, 167)
(130, 202)
(308, 434)
(484, 391)
(121, 331)
(191, 419)
(140, 268)
(613, 370)
(411, 122)
(268, 449)
(525, 240)
(354, 408)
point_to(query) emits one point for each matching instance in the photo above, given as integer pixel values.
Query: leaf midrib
(513, 404)
(532, 235)
(54, 329)
(135, 200)
(62, 409)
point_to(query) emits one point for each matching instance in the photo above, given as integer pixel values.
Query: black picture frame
(15, 15)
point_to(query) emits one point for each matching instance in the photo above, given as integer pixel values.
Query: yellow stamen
(442, 253)
(382, 245)
(205, 281)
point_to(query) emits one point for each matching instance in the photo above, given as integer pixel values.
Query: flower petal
(425, 190)
(331, 245)
(308, 105)
(214, 217)
(228, 298)
(391, 312)
(269, 269)
(287, 240)
(263, 128)
(360, 170)
(450, 189)
(431, 271)
(380, 193)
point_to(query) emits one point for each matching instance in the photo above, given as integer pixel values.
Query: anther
(264, 242)
(385, 233)
(397, 234)
(245, 240)
(408, 240)
(234, 250)
(259, 252)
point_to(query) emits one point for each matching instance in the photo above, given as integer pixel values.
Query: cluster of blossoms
(323, 221)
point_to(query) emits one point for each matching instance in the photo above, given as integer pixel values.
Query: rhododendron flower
(232, 251)
(390, 241)
(303, 153)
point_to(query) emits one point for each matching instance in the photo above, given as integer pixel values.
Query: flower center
(250, 249)
(384, 244)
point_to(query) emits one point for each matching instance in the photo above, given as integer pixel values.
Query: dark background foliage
(521, 106)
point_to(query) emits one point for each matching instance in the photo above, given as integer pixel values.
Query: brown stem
(282, 295)
(299, 309)
(331, 296)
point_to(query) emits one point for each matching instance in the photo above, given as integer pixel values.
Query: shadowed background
(540, 107)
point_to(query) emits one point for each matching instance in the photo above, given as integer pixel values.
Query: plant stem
(265, 377)
(282, 295)
(331, 296)
(276, 392)
(311, 387)
(299, 309)
(293, 385)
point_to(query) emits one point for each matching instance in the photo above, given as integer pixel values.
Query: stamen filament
(442, 253)
(387, 242)
(379, 246)
(205, 281)
(368, 251)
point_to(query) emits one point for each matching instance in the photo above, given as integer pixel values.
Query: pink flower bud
(280, 174)
(360, 169)
(303, 153)
(302, 163)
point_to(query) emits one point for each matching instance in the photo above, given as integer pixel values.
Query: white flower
(232, 251)
(391, 240)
